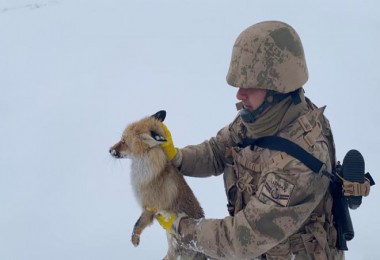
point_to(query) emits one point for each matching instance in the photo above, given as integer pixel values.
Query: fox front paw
(135, 239)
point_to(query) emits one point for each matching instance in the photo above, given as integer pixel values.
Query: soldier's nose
(240, 94)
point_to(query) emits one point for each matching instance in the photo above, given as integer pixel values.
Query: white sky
(74, 73)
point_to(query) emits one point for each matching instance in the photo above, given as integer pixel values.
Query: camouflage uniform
(278, 207)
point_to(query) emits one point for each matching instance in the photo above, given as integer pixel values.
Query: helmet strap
(296, 97)
(271, 99)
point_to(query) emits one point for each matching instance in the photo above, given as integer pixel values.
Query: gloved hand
(168, 146)
(169, 221)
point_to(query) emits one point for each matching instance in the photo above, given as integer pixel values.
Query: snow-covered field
(73, 73)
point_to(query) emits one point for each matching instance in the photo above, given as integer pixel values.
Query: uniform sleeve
(207, 159)
(280, 207)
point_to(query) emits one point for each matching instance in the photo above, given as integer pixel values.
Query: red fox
(157, 184)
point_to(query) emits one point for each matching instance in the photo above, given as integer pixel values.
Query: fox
(156, 182)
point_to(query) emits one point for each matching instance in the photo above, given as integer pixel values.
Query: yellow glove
(168, 146)
(169, 221)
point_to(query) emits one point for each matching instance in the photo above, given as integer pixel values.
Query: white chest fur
(142, 172)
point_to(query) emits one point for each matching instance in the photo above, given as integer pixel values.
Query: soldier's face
(252, 98)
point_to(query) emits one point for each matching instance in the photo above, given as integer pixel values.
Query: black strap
(284, 145)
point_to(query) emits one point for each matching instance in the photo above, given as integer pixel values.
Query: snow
(74, 73)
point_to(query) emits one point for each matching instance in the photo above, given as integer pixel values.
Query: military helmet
(268, 55)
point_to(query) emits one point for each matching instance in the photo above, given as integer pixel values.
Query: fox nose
(114, 153)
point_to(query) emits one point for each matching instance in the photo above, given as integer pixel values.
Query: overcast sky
(74, 73)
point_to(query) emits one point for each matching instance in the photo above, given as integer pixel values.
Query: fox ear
(153, 139)
(160, 115)
(157, 137)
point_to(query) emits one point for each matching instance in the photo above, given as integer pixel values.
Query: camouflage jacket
(278, 206)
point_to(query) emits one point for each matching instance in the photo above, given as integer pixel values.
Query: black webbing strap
(284, 145)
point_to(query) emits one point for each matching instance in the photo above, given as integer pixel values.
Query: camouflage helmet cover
(268, 55)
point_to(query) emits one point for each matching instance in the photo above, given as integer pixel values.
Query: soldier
(279, 208)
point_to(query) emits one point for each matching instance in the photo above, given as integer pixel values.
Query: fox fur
(157, 184)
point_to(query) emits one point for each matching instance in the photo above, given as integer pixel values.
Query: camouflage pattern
(268, 55)
(281, 209)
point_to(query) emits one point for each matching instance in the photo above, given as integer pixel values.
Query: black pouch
(349, 185)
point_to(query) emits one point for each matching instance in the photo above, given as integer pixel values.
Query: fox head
(140, 137)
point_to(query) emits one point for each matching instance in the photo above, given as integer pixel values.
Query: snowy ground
(73, 73)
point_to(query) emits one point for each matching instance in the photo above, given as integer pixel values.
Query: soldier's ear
(160, 115)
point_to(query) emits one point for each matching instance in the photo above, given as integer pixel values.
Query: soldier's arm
(207, 159)
(266, 221)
